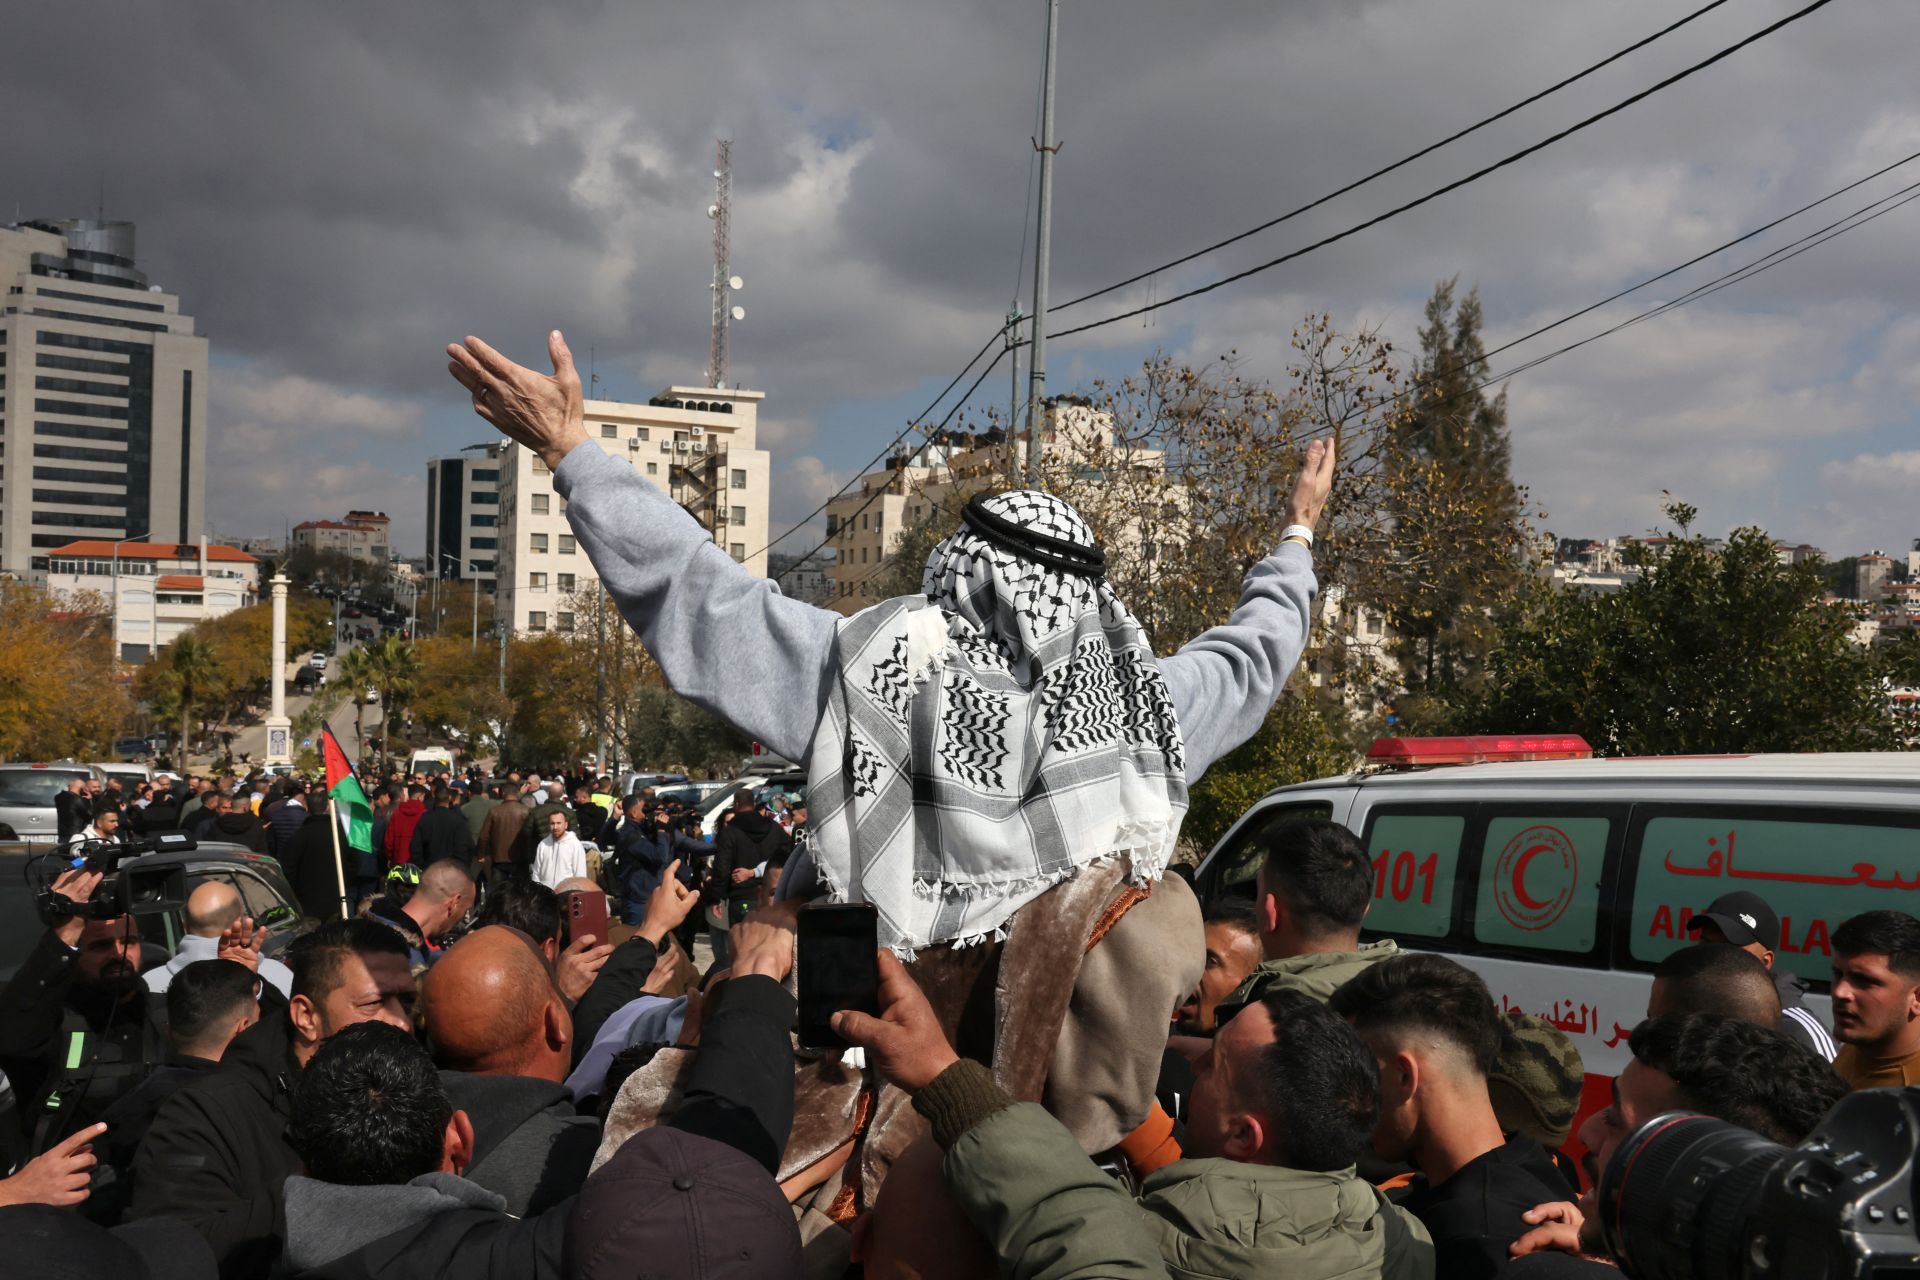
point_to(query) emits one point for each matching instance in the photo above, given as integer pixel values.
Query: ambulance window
(1235, 869)
(1540, 881)
(1416, 857)
(1814, 874)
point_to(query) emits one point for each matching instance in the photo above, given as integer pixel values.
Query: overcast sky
(336, 190)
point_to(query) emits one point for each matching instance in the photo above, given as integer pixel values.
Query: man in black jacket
(77, 1028)
(443, 833)
(502, 1039)
(750, 839)
(386, 1150)
(217, 1156)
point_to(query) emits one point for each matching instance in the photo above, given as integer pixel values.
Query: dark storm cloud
(336, 190)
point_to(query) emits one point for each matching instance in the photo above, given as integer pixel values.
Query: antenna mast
(722, 293)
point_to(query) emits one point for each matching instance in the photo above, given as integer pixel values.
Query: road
(252, 740)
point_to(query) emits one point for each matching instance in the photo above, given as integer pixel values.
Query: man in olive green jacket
(1314, 890)
(1282, 1105)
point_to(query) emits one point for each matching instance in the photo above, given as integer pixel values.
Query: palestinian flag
(349, 801)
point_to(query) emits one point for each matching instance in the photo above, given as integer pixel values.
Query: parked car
(128, 775)
(430, 761)
(639, 781)
(131, 748)
(792, 786)
(262, 885)
(27, 792)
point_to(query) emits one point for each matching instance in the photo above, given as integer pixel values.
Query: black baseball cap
(1744, 918)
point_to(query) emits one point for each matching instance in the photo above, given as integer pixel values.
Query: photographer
(76, 1028)
(1722, 1067)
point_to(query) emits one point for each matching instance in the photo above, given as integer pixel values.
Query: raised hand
(577, 966)
(1312, 485)
(241, 943)
(78, 885)
(671, 903)
(58, 1176)
(905, 1042)
(545, 413)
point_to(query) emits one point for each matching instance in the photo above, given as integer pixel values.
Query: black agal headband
(1031, 544)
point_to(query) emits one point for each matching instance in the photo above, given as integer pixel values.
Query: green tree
(1459, 532)
(395, 667)
(195, 669)
(1710, 650)
(357, 675)
(58, 691)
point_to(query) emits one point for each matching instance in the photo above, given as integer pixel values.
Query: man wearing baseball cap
(1746, 921)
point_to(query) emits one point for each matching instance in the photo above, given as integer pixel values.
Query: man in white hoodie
(560, 856)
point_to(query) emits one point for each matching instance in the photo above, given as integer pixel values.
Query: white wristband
(1298, 531)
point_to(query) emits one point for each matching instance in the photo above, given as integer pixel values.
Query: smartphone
(837, 968)
(583, 913)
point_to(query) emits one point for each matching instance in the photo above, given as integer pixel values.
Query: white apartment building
(363, 536)
(103, 396)
(463, 514)
(156, 590)
(696, 443)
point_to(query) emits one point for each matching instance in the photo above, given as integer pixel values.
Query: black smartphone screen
(837, 969)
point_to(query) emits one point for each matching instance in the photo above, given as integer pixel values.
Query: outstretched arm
(723, 638)
(1224, 681)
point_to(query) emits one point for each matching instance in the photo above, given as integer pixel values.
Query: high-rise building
(697, 443)
(463, 514)
(103, 396)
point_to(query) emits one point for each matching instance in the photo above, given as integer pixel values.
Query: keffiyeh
(984, 741)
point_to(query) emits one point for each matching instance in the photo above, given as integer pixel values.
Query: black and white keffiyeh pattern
(984, 741)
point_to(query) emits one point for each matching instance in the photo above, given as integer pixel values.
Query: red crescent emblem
(1520, 879)
(1558, 875)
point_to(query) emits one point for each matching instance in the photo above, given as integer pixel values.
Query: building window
(536, 582)
(488, 477)
(863, 555)
(607, 432)
(739, 515)
(566, 581)
(653, 468)
(540, 504)
(738, 551)
(563, 622)
(484, 544)
(539, 467)
(483, 521)
(739, 478)
(864, 518)
(566, 544)
(537, 620)
(641, 432)
(537, 543)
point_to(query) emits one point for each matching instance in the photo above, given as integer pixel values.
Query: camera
(1688, 1196)
(126, 890)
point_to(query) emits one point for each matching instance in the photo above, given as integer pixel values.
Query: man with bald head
(503, 1040)
(213, 909)
(443, 897)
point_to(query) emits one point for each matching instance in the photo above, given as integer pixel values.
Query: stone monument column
(279, 728)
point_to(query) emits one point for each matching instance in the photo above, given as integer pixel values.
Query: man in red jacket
(406, 816)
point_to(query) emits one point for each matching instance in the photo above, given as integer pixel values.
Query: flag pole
(339, 872)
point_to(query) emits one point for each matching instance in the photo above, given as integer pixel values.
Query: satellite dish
(736, 283)
(713, 211)
(739, 313)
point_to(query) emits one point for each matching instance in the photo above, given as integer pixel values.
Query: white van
(428, 761)
(1563, 880)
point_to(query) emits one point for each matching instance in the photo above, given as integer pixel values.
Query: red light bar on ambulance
(1409, 753)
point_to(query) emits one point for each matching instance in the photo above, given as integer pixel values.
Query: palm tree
(192, 663)
(396, 674)
(356, 670)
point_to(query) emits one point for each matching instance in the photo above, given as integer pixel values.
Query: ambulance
(1563, 880)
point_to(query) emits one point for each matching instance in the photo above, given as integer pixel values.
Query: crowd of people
(1068, 1068)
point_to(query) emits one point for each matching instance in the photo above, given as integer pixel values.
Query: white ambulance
(1563, 880)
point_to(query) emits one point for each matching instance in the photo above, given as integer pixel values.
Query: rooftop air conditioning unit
(633, 445)
(666, 446)
(699, 447)
(697, 432)
(680, 446)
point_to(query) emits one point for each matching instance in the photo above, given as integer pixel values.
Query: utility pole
(1042, 254)
(1013, 401)
(724, 281)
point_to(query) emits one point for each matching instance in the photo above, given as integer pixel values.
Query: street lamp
(116, 591)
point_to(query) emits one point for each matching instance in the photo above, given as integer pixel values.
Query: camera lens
(1679, 1198)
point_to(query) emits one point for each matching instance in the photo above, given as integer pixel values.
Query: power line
(1458, 183)
(904, 431)
(1357, 183)
(1721, 248)
(875, 495)
(1759, 265)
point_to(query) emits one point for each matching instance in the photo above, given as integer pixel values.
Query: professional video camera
(126, 890)
(1692, 1197)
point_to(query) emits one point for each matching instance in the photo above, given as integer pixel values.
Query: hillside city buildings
(103, 396)
(155, 590)
(360, 535)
